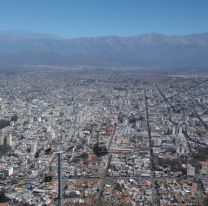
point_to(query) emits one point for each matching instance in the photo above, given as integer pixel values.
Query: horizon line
(100, 36)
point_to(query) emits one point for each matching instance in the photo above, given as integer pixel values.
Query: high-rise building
(180, 131)
(34, 147)
(174, 131)
(9, 141)
(1, 139)
(190, 170)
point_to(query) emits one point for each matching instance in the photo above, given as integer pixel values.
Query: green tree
(4, 123)
(205, 201)
(14, 118)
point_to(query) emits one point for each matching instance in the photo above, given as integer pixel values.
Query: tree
(4, 123)
(205, 201)
(3, 197)
(118, 187)
(202, 154)
(14, 118)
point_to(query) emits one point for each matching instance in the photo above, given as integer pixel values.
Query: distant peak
(21, 34)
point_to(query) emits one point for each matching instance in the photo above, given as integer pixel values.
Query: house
(190, 170)
(204, 167)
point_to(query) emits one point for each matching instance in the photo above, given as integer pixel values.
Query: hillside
(148, 50)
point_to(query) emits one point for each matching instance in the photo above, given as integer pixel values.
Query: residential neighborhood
(153, 129)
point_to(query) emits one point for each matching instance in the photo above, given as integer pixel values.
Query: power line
(175, 95)
(129, 177)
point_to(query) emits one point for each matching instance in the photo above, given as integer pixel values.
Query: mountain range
(147, 51)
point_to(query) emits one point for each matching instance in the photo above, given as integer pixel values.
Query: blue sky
(78, 18)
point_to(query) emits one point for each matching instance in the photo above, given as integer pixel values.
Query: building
(9, 141)
(8, 171)
(204, 167)
(1, 139)
(34, 147)
(190, 170)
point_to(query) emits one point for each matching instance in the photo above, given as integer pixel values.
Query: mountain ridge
(146, 50)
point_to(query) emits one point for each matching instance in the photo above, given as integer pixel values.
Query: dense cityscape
(152, 128)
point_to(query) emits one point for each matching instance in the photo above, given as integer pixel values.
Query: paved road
(165, 99)
(105, 171)
(155, 193)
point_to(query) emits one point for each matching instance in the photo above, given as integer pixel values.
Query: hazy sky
(76, 18)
